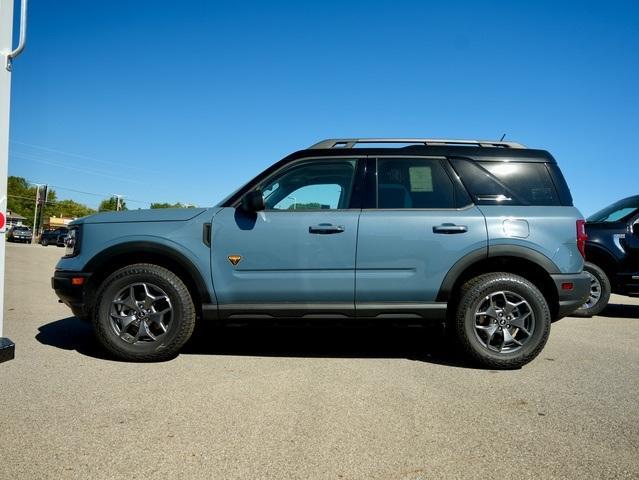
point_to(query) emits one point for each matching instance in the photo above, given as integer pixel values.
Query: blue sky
(185, 101)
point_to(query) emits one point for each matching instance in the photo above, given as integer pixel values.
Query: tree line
(21, 197)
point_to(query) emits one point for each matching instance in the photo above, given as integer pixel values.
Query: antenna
(502, 137)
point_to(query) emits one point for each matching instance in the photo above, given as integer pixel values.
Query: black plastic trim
(523, 252)
(328, 311)
(206, 234)
(72, 296)
(493, 251)
(390, 310)
(269, 311)
(571, 300)
(457, 269)
(107, 255)
(7, 350)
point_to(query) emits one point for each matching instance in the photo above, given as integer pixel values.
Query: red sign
(2, 220)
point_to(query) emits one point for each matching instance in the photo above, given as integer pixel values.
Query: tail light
(581, 237)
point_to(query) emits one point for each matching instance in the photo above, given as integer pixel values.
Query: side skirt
(431, 311)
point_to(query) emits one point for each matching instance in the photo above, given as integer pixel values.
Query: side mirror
(253, 201)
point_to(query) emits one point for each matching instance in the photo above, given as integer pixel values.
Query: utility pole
(118, 202)
(35, 211)
(7, 55)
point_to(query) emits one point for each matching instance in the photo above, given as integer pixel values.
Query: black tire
(595, 305)
(178, 331)
(44, 242)
(478, 290)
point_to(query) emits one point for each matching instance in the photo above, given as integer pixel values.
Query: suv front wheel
(502, 321)
(143, 312)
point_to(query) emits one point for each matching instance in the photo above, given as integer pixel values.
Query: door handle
(450, 228)
(325, 229)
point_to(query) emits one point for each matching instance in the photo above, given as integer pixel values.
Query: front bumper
(571, 299)
(73, 296)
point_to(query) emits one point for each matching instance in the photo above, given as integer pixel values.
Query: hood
(150, 215)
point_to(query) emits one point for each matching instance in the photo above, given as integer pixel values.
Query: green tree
(21, 197)
(171, 205)
(111, 204)
(69, 208)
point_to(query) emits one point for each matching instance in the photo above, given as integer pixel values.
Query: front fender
(180, 241)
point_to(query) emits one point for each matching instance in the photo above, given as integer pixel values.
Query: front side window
(413, 183)
(313, 185)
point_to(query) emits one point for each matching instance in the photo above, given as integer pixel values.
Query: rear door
(418, 223)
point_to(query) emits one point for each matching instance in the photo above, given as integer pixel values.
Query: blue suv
(479, 235)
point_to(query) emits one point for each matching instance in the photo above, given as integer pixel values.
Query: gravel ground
(252, 403)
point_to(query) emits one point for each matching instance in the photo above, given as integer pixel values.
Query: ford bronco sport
(479, 235)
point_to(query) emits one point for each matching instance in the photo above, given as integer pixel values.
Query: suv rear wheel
(143, 312)
(599, 292)
(502, 321)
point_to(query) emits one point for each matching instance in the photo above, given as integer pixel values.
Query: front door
(419, 224)
(297, 257)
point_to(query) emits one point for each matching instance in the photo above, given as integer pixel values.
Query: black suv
(54, 237)
(612, 254)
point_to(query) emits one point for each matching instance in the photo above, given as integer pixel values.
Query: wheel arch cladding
(522, 261)
(118, 256)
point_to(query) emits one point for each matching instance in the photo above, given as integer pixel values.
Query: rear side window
(508, 183)
(413, 183)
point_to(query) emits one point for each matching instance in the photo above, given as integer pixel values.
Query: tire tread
(469, 292)
(187, 321)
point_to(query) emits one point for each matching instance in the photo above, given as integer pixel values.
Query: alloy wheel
(504, 322)
(595, 291)
(141, 312)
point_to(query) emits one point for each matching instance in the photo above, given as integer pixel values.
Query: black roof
(472, 153)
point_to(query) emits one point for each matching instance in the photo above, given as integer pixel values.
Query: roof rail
(352, 142)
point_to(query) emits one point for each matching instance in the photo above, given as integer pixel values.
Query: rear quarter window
(508, 183)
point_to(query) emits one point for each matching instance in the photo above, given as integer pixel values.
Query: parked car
(20, 234)
(612, 254)
(54, 236)
(479, 235)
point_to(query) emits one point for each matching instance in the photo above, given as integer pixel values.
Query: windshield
(22, 229)
(616, 212)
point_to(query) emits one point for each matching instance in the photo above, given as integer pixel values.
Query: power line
(76, 155)
(95, 194)
(32, 158)
(103, 195)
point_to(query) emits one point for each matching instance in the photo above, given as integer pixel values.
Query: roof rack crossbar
(352, 142)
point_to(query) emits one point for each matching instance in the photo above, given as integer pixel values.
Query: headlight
(72, 242)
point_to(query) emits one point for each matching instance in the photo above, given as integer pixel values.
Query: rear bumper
(74, 296)
(571, 299)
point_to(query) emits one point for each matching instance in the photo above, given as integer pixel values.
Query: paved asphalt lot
(310, 403)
